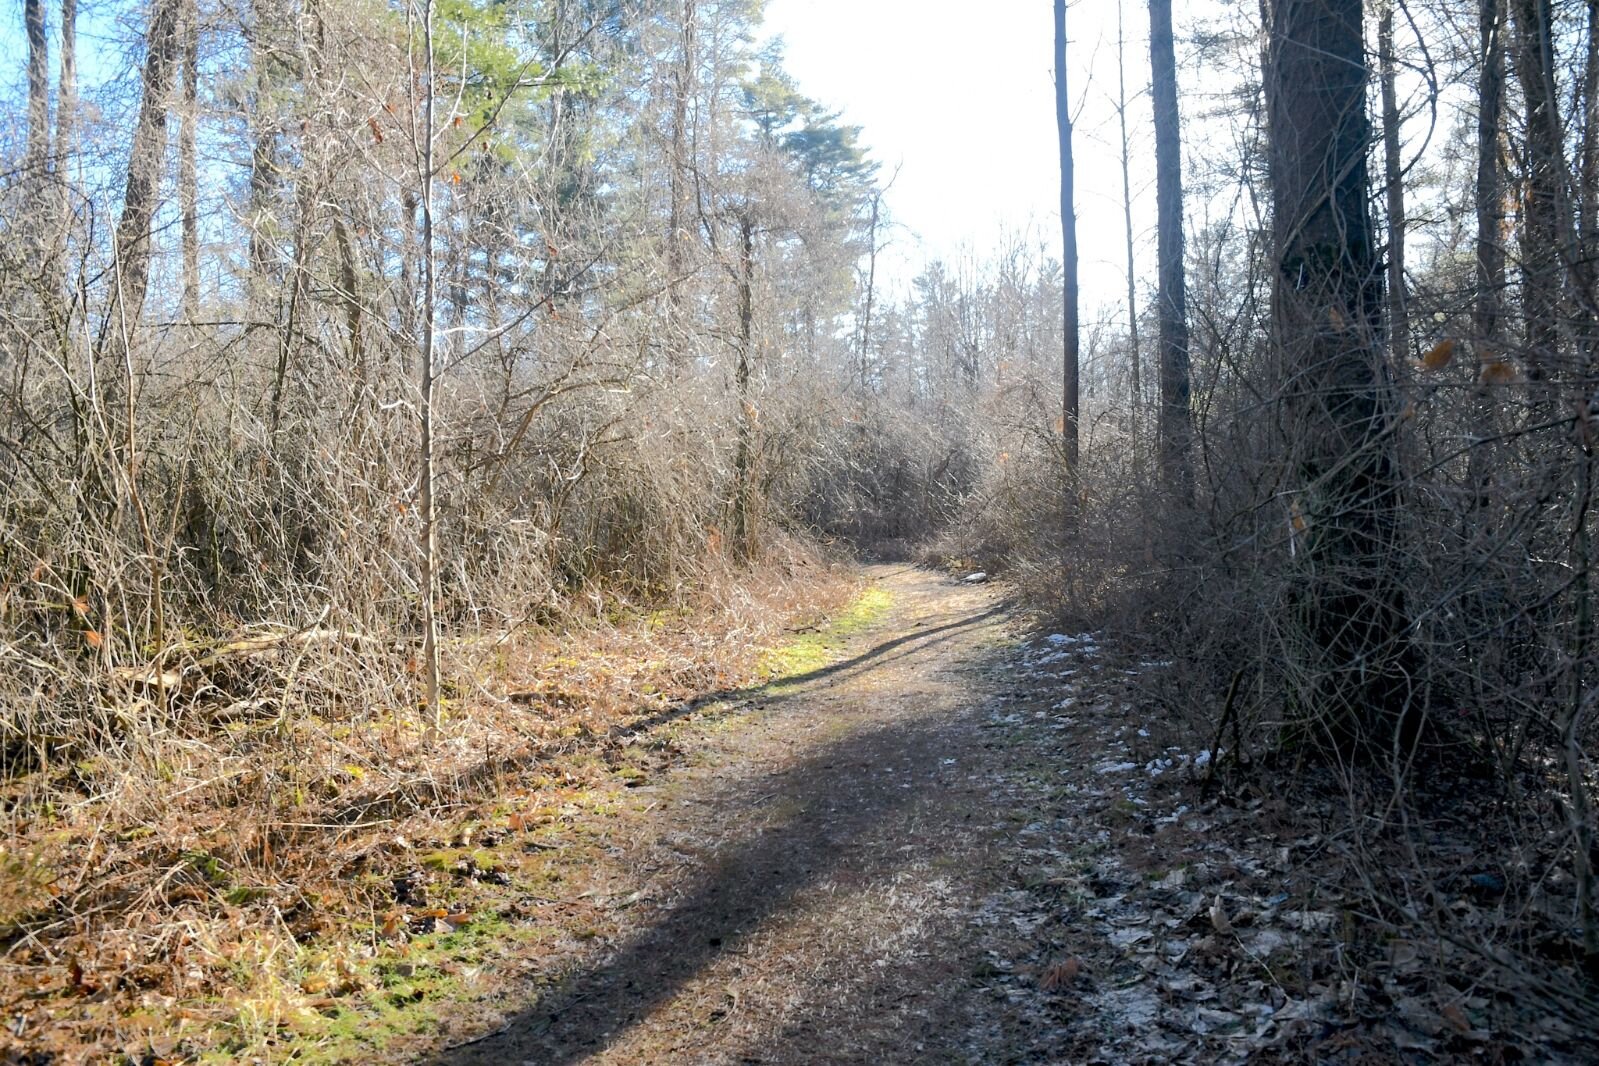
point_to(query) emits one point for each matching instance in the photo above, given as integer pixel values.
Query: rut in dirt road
(828, 908)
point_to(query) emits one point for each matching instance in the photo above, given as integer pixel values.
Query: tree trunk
(1176, 419)
(428, 578)
(1135, 358)
(743, 520)
(864, 348)
(1393, 174)
(132, 271)
(38, 146)
(60, 211)
(1068, 228)
(1490, 248)
(1542, 247)
(264, 170)
(1588, 196)
(188, 179)
(67, 92)
(1349, 614)
(677, 237)
(349, 294)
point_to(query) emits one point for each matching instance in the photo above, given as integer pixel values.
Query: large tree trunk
(1347, 661)
(1394, 178)
(1588, 195)
(38, 147)
(132, 271)
(1542, 245)
(1176, 419)
(188, 171)
(67, 92)
(39, 200)
(1490, 248)
(1068, 229)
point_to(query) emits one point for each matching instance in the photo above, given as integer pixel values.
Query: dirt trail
(821, 885)
(963, 843)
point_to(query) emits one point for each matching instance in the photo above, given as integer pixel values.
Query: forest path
(841, 876)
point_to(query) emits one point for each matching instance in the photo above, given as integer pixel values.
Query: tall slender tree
(1068, 229)
(1176, 418)
(188, 169)
(38, 147)
(1543, 249)
(684, 85)
(67, 91)
(131, 276)
(1394, 181)
(1490, 247)
(743, 458)
(1135, 354)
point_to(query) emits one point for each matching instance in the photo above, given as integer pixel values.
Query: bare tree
(188, 170)
(38, 149)
(1325, 318)
(423, 140)
(743, 458)
(1176, 419)
(1394, 178)
(1490, 249)
(1068, 229)
(1135, 354)
(684, 82)
(132, 273)
(1543, 249)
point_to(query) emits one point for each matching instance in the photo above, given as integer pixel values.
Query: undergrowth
(329, 881)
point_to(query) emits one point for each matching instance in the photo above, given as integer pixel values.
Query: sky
(960, 96)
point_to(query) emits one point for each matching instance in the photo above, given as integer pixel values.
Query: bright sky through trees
(961, 96)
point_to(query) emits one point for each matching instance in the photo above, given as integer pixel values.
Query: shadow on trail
(788, 687)
(419, 795)
(844, 808)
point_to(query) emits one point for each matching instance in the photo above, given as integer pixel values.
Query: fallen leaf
(1500, 372)
(1061, 976)
(1219, 919)
(1439, 355)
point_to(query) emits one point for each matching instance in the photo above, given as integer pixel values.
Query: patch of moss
(241, 895)
(819, 648)
(449, 860)
(405, 995)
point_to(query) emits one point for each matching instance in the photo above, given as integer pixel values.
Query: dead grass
(232, 879)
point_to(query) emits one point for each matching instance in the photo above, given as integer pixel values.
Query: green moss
(451, 859)
(404, 996)
(819, 648)
(241, 895)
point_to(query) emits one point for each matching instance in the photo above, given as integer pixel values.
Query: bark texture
(1176, 418)
(1068, 228)
(1348, 629)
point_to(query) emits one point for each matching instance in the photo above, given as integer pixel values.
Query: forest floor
(939, 835)
(957, 843)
